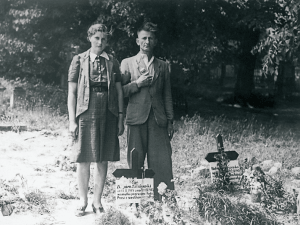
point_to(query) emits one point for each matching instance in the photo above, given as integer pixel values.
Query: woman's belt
(99, 89)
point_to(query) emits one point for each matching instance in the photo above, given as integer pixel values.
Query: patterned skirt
(97, 139)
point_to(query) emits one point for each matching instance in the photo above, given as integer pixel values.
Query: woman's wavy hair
(99, 27)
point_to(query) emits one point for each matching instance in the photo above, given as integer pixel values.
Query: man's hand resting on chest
(143, 81)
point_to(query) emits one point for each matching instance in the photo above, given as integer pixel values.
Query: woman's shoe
(98, 210)
(80, 211)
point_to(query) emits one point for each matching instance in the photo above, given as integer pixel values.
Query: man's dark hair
(148, 26)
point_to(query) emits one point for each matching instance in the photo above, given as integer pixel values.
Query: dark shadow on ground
(285, 112)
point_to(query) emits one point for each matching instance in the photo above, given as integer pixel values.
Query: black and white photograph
(149, 112)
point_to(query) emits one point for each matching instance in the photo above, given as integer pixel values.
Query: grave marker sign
(233, 165)
(17, 97)
(134, 183)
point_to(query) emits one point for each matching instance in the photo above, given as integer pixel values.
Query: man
(149, 114)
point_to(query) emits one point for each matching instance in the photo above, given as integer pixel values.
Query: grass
(42, 107)
(249, 134)
(195, 137)
(216, 205)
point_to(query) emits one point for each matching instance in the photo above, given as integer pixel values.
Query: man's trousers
(151, 140)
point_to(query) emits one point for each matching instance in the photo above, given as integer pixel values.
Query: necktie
(99, 68)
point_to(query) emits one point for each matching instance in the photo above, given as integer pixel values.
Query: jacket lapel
(137, 62)
(86, 68)
(156, 66)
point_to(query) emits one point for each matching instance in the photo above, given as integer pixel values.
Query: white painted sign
(235, 173)
(131, 190)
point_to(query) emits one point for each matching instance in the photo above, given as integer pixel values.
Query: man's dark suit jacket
(157, 95)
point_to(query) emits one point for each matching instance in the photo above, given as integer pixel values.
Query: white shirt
(93, 56)
(145, 58)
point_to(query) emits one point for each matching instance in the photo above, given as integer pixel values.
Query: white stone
(204, 163)
(266, 165)
(273, 170)
(237, 106)
(296, 171)
(278, 165)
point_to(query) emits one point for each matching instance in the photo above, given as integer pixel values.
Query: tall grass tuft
(214, 205)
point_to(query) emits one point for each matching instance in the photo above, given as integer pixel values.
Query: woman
(95, 104)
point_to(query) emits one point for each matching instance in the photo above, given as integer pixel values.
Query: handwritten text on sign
(129, 190)
(233, 170)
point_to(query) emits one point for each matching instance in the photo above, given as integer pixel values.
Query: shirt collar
(144, 56)
(93, 56)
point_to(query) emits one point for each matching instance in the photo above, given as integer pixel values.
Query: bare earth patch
(34, 155)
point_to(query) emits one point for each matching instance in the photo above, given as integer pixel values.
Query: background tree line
(38, 37)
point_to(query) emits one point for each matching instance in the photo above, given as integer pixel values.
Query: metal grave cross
(233, 165)
(134, 171)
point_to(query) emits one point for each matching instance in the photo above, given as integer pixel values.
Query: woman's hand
(121, 126)
(170, 130)
(73, 129)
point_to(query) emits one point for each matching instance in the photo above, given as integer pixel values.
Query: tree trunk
(245, 78)
(285, 83)
(223, 74)
(280, 78)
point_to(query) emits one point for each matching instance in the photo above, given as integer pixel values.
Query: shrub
(36, 202)
(214, 205)
(113, 217)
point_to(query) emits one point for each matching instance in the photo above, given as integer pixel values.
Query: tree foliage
(280, 41)
(38, 36)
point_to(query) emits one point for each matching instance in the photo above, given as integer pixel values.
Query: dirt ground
(33, 155)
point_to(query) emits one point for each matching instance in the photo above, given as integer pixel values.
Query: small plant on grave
(113, 217)
(169, 199)
(153, 210)
(273, 195)
(221, 179)
(172, 204)
(276, 198)
(253, 179)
